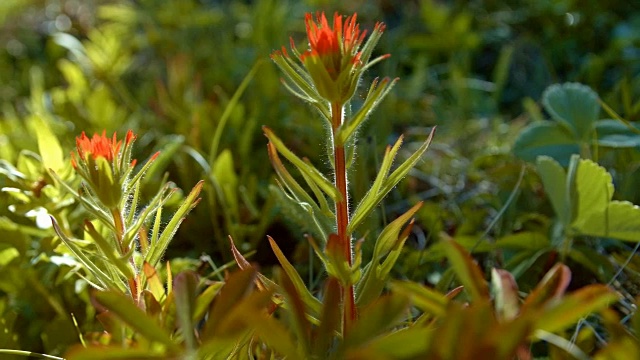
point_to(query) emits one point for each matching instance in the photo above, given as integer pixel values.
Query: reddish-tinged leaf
(574, 307)
(467, 271)
(154, 282)
(505, 288)
(329, 318)
(552, 286)
(184, 290)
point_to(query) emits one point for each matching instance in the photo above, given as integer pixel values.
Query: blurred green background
(194, 79)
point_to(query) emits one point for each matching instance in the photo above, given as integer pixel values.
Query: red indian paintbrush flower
(336, 58)
(104, 163)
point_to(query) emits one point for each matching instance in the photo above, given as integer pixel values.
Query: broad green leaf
(574, 307)
(616, 134)
(310, 171)
(48, 144)
(529, 240)
(7, 255)
(309, 300)
(133, 316)
(546, 138)
(158, 248)
(620, 220)
(467, 271)
(594, 190)
(184, 291)
(575, 105)
(554, 179)
(223, 170)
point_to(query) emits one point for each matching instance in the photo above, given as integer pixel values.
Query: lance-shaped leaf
(316, 176)
(375, 276)
(377, 92)
(383, 183)
(296, 307)
(158, 248)
(467, 271)
(108, 250)
(505, 290)
(104, 280)
(309, 300)
(133, 316)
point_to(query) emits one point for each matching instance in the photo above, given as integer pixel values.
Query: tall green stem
(342, 215)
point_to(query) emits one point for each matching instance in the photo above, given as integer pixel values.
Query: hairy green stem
(342, 215)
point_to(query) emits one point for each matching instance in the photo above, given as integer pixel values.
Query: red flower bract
(335, 44)
(99, 146)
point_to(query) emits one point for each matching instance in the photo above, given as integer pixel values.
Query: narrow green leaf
(310, 171)
(204, 300)
(426, 299)
(157, 249)
(133, 316)
(310, 301)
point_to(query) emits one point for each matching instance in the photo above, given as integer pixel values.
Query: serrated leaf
(133, 316)
(616, 134)
(554, 179)
(620, 220)
(575, 105)
(594, 190)
(546, 138)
